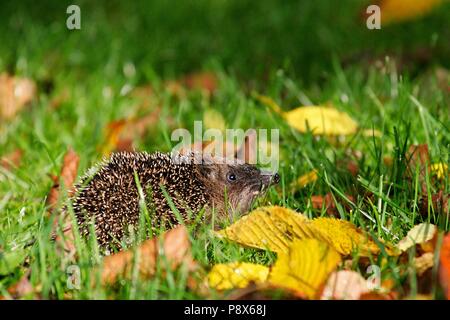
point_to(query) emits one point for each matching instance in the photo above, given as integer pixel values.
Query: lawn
(127, 60)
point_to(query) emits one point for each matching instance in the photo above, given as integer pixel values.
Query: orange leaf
(15, 93)
(173, 244)
(444, 267)
(12, 159)
(121, 134)
(206, 81)
(68, 175)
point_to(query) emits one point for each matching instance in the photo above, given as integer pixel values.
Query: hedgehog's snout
(268, 179)
(276, 178)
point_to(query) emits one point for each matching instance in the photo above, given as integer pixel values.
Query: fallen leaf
(274, 228)
(373, 295)
(320, 120)
(327, 202)
(121, 134)
(271, 228)
(173, 247)
(439, 204)
(12, 159)
(305, 267)
(444, 265)
(424, 262)
(304, 180)
(393, 11)
(68, 175)
(213, 119)
(236, 275)
(440, 170)
(205, 81)
(22, 288)
(345, 237)
(345, 285)
(15, 93)
(419, 234)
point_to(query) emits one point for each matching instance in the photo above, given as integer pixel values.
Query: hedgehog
(111, 196)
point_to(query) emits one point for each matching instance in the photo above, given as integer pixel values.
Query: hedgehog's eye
(231, 177)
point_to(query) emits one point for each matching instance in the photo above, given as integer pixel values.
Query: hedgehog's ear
(205, 168)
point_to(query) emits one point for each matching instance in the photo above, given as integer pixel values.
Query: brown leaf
(418, 158)
(327, 201)
(444, 265)
(173, 244)
(373, 295)
(439, 204)
(15, 93)
(68, 175)
(22, 288)
(12, 159)
(205, 81)
(121, 134)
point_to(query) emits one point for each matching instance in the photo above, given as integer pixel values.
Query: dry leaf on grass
(205, 81)
(345, 285)
(213, 119)
(327, 202)
(444, 265)
(22, 288)
(236, 275)
(121, 134)
(393, 11)
(320, 120)
(172, 247)
(304, 180)
(420, 234)
(440, 170)
(305, 267)
(66, 180)
(271, 228)
(12, 159)
(15, 93)
(423, 263)
(274, 228)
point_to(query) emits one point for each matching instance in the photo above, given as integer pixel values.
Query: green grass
(292, 68)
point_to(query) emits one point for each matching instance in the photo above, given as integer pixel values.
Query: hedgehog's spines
(107, 193)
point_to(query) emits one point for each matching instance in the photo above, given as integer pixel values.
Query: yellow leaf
(402, 10)
(236, 275)
(271, 228)
(345, 237)
(321, 121)
(419, 234)
(424, 262)
(305, 267)
(304, 180)
(268, 101)
(439, 169)
(213, 119)
(274, 228)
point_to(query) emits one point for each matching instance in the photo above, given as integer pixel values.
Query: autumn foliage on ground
(362, 210)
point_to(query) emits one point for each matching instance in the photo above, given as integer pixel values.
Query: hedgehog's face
(235, 186)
